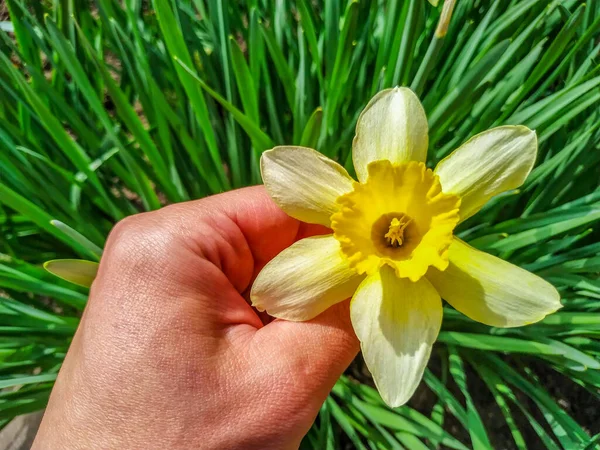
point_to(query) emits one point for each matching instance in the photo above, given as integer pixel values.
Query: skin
(169, 354)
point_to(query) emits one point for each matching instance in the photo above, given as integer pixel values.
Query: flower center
(395, 234)
(398, 217)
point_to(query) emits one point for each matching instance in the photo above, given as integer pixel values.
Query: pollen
(395, 234)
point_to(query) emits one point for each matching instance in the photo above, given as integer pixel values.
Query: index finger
(248, 224)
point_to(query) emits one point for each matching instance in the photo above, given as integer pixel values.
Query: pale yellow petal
(304, 183)
(76, 271)
(397, 321)
(492, 291)
(488, 164)
(393, 126)
(304, 280)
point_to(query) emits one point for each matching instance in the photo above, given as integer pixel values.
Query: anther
(395, 234)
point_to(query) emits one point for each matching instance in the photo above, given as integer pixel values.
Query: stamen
(395, 234)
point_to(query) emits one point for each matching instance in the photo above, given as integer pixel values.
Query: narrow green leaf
(77, 271)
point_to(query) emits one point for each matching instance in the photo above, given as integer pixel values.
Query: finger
(320, 349)
(259, 225)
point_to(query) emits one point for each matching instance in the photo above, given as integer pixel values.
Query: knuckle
(141, 236)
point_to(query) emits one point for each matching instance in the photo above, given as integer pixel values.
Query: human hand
(169, 354)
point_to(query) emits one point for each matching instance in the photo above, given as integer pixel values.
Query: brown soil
(3, 12)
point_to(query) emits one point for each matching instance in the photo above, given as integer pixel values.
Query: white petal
(304, 183)
(393, 126)
(488, 164)
(492, 291)
(397, 322)
(304, 280)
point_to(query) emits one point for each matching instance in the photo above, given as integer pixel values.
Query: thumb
(319, 349)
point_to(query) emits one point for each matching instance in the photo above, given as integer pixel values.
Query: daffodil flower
(392, 249)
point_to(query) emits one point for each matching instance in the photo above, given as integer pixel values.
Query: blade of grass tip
(585, 265)
(34, 315)
(249, 126)
(178, 50)
(20, 381)
(312, 131)
(538, 235)
(42, 220)
(592, 444)
(78, 237)
(245, 82)
(479, 437)
(434, 48)
(76, 271)
(571, 211)
(567, 351)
